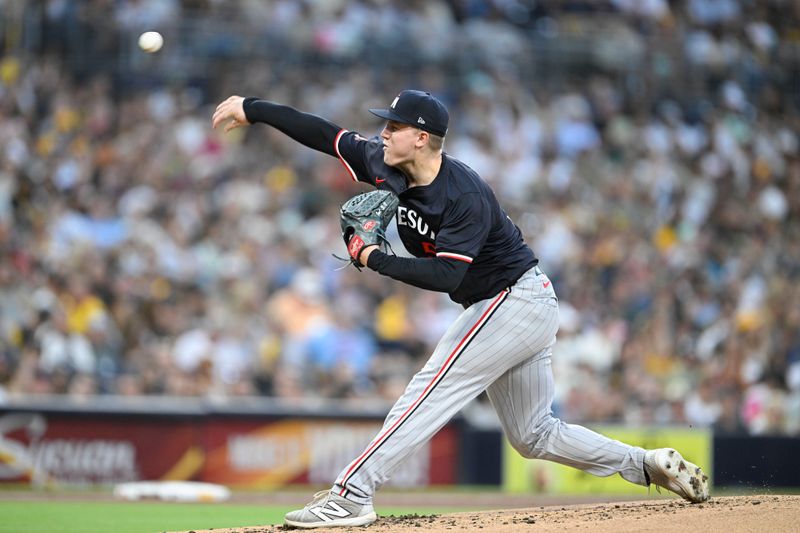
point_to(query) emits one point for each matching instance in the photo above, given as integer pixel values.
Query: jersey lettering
(429, 248)
(409, 217)
(332, 509)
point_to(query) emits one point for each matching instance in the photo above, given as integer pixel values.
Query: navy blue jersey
(456, 216)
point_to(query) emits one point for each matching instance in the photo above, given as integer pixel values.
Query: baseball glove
(364, 219)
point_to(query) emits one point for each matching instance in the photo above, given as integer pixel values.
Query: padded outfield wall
(266, 445)
(255, 444)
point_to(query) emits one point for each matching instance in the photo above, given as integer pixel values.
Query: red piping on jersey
(459, 257)
(443, 370)
(339, 155)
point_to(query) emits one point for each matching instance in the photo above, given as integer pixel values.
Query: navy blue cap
(419, 109)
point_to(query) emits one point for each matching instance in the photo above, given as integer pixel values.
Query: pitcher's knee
(522, 447)
(530, 445)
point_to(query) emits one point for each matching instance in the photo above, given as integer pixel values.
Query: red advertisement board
(95, 449)
(246, 452)
(290, 451)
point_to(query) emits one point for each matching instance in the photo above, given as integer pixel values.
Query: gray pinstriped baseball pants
(502, 345)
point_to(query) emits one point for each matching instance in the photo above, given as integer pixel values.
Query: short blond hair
(436, 142)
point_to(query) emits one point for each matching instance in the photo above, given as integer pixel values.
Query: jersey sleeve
(310, 130)
(361, 157)
(464, 228)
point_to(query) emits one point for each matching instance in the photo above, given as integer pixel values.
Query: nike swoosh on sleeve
(379, 180)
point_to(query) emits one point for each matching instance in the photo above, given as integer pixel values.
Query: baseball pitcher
(463, 244)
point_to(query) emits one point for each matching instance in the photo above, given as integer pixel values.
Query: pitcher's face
(399, 143)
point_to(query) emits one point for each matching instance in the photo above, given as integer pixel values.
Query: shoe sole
(365, 520)
(691, 482)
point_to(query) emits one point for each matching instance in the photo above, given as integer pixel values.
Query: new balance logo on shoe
(329, 510)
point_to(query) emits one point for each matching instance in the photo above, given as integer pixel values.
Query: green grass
(145, 517)
(79, 516)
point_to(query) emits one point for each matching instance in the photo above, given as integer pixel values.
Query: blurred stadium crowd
(647, 149)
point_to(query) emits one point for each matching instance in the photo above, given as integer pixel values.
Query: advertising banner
(291, 451)
(257, 452)
(47, 449)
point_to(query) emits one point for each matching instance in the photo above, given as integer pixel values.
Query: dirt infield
(734, 514)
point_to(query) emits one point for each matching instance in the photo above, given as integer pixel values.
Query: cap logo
(394, 102)
(421, 120)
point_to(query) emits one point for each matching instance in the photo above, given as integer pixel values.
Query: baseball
(151, 41)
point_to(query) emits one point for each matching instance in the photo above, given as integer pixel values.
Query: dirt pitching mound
(733, 514)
